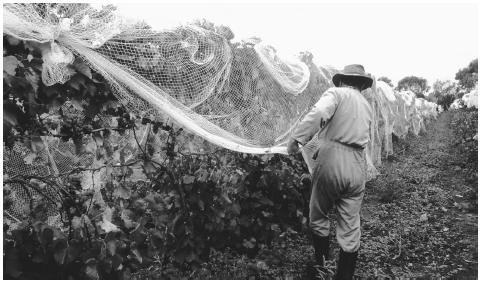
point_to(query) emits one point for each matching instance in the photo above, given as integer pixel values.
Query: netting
(241, 96)
(469, 100)
(59, 158)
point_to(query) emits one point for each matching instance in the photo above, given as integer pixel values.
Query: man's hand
(293, 147)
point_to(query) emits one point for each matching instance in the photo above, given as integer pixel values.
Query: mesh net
(57, 159)
(242, 96)
(471, 99)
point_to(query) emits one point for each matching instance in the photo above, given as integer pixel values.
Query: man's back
(350, 123)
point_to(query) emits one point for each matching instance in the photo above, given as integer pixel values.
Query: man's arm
(322, 111)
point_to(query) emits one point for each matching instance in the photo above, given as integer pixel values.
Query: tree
(444, 92)
(417, 85)
(386, 79)
(467, 77)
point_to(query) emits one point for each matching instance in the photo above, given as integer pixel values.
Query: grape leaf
(138, 174)
(33, 78)
(149, 168)
(137, 255)
(111, 246)
(108, 226)
(236, 208)
(117, 262)
(188, 179)
(126, 217)
(10, 64)
(74, 250)
(106, 223)
(13, 40)
(202, 175)
(121, 191)
(76, 82)
(76, 222)
(36, 144)
(46, 236)
(91, 269)
(12, 262)
(12, 115)
(225, 197)
(90, 147)
(60, 251)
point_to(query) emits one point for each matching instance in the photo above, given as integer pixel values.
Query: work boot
(346, 265)
(320, 269)
(322, 248)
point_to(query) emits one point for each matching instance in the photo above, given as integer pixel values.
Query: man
(339, 175)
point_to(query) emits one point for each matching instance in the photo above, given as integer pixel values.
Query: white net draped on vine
(242, 96)
(471, 99)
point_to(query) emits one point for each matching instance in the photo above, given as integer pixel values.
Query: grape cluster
(156, 125)
(125, 122)
(73, 128)
(124, 119)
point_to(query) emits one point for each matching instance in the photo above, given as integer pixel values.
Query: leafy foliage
(418, 222)
(464, 124)
(417, 85)
(168, 197)
(444, 92)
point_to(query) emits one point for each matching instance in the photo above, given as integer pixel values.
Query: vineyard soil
(419, 221)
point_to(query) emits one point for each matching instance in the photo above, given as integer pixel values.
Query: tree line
(442, 92)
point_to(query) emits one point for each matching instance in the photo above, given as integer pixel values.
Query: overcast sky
(429, 40)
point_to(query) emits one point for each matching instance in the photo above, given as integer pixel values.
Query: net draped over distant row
(470, 100)
(394, 113)
(240, 96)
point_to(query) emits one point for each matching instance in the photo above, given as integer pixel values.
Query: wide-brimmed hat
(355, 74)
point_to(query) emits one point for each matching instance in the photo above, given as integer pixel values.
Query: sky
(431, 40)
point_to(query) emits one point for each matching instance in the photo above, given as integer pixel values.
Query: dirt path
(420, 215)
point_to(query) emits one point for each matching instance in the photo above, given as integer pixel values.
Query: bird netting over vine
(241, 96)
(469, 100)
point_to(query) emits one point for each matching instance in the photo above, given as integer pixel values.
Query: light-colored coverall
(339, 174)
